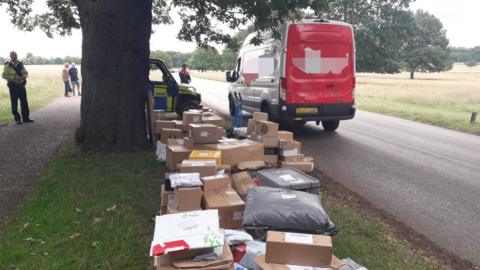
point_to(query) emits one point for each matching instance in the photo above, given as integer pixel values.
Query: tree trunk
(412, 75)
(115, 66)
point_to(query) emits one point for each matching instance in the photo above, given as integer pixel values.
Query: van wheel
(231, 106)
(330, 126)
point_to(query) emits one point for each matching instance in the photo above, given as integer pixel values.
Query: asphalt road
(426, 176)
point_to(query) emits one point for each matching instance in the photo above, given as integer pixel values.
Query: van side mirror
(231, 76)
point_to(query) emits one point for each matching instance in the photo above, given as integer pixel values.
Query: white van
(306, 75)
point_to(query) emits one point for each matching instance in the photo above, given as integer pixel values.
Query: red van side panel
(320, 64)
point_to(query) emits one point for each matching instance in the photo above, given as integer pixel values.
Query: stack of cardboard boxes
(197, 146)
(280, 147)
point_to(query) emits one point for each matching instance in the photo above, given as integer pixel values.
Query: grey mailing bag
(288, 178)
(286, 210)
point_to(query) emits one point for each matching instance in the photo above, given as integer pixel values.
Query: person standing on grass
(66, 80)
(16, 75)
(184, 75)
(73, 72)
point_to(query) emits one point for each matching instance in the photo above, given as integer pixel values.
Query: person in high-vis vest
(16, 75)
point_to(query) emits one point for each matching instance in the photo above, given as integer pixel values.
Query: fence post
(473, 118)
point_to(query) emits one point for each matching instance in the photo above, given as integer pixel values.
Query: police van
(306, 75)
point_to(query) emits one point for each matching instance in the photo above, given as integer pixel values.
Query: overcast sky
(461, 19)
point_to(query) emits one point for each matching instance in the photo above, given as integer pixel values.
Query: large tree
(427, 49)
(381, 30)
(115, 51)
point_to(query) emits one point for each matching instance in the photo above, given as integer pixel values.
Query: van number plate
(307, 110)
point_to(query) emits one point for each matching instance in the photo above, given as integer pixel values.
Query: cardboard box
(159, 115)
(192, 117)
(268, 141)
(286, 144)
(206, 167)
(216, 182)
(175, 155)
(212, 119)
(236, 151)
(298, 146)
(251, 165)
(224, 262)
(298, 157)
(187, 199)
(289, 153)
(242, 182)
(174, 141)
(188, 143)
(260, 260)
(250, 126)
(178, 232)
(170, 133)
(304, 166)
(285, 135)
(207, 154)
(271, 159)
(205, 133)
(229, 204)
(161, 124)
(167, 196)
(266, 128)
(299, 249)
(180, 125)
(260, 116)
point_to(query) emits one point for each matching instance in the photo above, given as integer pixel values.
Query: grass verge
(88, 211)
(93, 211)
(44, 86)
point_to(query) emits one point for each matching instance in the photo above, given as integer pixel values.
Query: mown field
(445, 99)
(44, 85)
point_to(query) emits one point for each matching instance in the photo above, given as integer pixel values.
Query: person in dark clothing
(75, 81)
(184, 75)
(16, 75)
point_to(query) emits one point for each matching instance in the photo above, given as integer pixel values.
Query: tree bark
(115, 66)
(412, 75)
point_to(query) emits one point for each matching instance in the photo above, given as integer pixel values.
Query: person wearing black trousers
(16, 75)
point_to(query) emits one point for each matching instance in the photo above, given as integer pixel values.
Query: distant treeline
(30, 59)
(469, 56)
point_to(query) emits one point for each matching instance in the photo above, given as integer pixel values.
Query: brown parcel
(175, 155)
(224, 262)
(235, 151)
(304, 166)
(336, 264)
(271, 159)
(205, 133)
(160, 124)
(285, 135)
(215, 182)
(212, 119)
(166, 196)
(250, 126)
(266, 128)
(299, 157)
(230, 207)
(252, 165)
(268, 141)
(187, 199)
(298, 249)
(175, 141)
(242, 182)
(180, 125)
(287, 144)
(260, 116)
(170, 133)
(192, 117)
(205, 167)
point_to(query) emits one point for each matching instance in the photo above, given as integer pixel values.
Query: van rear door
(320, 63)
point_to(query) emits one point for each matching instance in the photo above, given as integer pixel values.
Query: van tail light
(283, 89)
